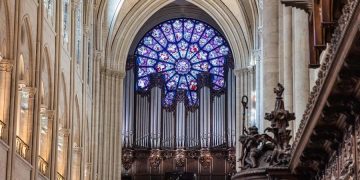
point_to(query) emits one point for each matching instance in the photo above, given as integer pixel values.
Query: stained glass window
(65, 20)
(78, 32)
(181, 51)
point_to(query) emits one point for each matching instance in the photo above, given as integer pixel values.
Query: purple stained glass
(180, 50)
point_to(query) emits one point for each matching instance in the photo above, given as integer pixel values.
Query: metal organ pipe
(157, 128)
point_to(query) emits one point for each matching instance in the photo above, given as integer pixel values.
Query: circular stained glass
(181, 50)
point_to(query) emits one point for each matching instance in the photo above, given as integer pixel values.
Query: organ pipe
(146, 124)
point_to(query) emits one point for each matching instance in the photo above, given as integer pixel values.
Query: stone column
(239, 123)
(300, 63)
(5, 85)
(76, 165)
(23, 128)
(88, 171)
(118, 125)
(287, 51)
(270, 63)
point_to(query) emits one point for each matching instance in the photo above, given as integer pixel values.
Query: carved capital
(31, 91)
(86, 30)
(6, 65)
(64, 132)
(77, 149)
(112, 73)
(48, 113)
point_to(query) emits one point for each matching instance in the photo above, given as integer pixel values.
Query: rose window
(181, 51)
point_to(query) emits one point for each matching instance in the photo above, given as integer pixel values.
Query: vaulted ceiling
(237, 19)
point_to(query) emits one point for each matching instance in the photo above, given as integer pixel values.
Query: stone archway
(113, 54)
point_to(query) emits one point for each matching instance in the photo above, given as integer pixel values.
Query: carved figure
(254, 145)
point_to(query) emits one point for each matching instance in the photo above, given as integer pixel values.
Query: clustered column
(270, 69)
(300, 63)
(110, 125)
(5, 84)
(285, 59)
(239, 124)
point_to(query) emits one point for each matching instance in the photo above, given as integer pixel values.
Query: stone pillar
(5, 85)
(25, 122)
(44, 141)
(239, 123)
(287, 60)
(62, 168)
(300, 63)
(118, 125)
(270, 70)
(76, 165)
(88, 171)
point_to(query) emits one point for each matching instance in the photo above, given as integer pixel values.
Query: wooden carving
(263, 150)
(279, 119)
(127, 158)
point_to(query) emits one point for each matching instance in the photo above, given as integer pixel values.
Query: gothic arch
(125, 32)
(63, 103)
(26, 51)
(46, 74)
(4, 38)
(76, 124)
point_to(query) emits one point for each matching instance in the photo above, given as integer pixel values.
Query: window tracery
(186, 54)
(66, 20)
(78, 32)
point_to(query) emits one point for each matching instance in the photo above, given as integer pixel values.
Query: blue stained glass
(180, 50)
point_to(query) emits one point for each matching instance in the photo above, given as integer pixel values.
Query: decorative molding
(127, 158)
(43, 166)
(155, 158)
(180, 159)
(324, 70)
(205, 158)
(2, 129)
(305, 5)
(22, 148)
(113, 73)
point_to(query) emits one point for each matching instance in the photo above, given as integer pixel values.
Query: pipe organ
(180, 103)
(149, 126)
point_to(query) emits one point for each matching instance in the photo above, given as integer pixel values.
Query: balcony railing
(2, 128)
(21, 147)
(43, 166)
(59, 176)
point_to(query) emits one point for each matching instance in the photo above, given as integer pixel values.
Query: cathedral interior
(179, 89)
